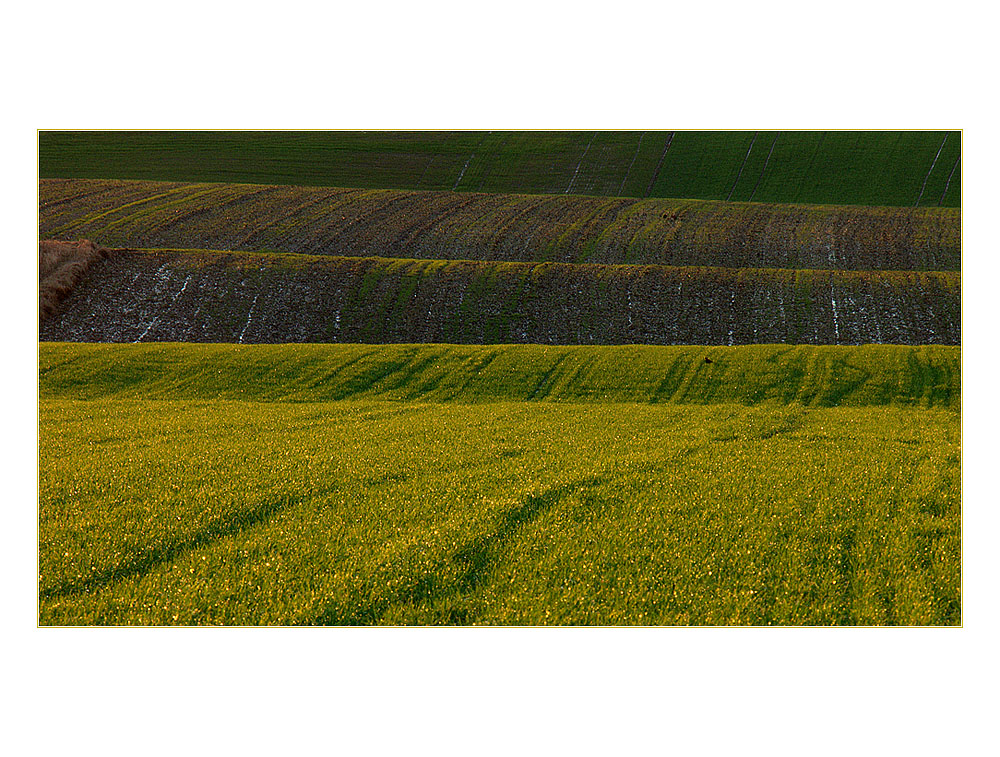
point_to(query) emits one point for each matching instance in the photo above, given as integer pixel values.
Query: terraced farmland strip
(853, 168)
(773, 375)
(474, 226)
(210, 296)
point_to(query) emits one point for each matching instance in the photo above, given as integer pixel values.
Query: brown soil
(207, 296)
(61, 265)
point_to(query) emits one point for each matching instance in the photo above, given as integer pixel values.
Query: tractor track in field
(143, 563)
(739, 173)
(628, 170)
(947, 184)
(763, 169)
(659, 165)
(583, 157)
(472, 157)
(475, 559)
(930, 171)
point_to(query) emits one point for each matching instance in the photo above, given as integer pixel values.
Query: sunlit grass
(365, 511)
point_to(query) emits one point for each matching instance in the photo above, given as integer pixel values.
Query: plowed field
(449, 226)
(206, 296)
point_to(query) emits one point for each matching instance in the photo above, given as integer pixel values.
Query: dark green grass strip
(840, 167)
(823, 376)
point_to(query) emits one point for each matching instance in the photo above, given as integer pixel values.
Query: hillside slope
(903, 168)
(474, 226)
(211, 296)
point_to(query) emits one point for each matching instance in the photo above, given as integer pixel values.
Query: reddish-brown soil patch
(61, 265)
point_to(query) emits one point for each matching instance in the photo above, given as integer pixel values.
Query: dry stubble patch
(61, 265)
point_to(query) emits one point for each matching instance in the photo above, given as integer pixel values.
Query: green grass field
(609, 483)
(847, 167)
(818, 376)
(342, 484)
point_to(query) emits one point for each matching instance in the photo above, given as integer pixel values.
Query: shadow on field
(146, 562)
(475, 560)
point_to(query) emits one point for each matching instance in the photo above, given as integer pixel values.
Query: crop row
(208, 296)
(847, 167)
(475, 226)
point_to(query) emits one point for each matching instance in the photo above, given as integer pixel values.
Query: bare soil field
(503, 227)
(211, 296)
